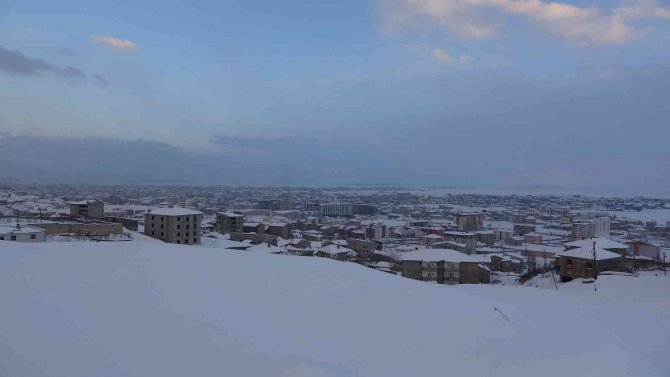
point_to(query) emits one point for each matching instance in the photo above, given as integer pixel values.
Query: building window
(195, 240)
(161, 226)
(186, 234)
(161, 234)
(178, 226)
(153, 218)
(12, 238)
(178, 241)
(152, 233)
(186, 240)
(178, 234)
(162, 218)
(33, 236)
(187, 219)
(178, 218)
(187, 226)
(568, 262)
(2, 238)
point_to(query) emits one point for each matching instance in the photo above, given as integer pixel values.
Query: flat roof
(174, 211)
(437, 255)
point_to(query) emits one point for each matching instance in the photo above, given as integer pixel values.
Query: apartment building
(444, 266)
(93, 209)
(582, 230)
(228, 222)
(337, 209)
(173, 225)
(602, 227)
(462, 241)
(469, 221)
(364, 248)
(639, 248)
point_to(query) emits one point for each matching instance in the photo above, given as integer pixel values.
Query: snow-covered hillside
(153, 309)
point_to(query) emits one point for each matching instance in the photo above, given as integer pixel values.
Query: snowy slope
(152, 309)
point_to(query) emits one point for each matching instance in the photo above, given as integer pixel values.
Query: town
(432, 234)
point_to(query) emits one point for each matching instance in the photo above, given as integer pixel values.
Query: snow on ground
(661, 215)
(153, 309)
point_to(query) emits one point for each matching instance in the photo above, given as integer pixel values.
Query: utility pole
(665, 270)
(595, 268)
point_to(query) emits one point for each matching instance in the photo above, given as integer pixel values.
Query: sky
(497, 93)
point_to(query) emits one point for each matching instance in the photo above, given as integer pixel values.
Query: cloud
(482, 18)
(65, 52)
(445, 57)
(16, 63)
(100, 80)
(115, 43)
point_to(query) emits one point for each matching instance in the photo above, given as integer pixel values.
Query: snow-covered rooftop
(336, 249)
(587, 253)
(231, 214)
(174, 211)
(437, 255)
(603, 243)
(8, 229)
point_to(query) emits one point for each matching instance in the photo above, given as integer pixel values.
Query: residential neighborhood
(427, 235)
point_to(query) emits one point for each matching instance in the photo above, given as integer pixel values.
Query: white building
(337, 209)
(21, 233)
(602, 227)
(582, 230)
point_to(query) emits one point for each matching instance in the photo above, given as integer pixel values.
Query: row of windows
(163, 218)
(163, 235)
(13, 238)
(195, 226)
(195, 240)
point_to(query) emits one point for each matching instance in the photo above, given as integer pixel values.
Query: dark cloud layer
(16, 63)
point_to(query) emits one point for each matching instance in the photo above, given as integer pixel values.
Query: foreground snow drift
(151, 309)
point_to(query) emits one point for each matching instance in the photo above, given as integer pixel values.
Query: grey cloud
(101, 80)
(16, 63)
(65, 52)
(73, 73)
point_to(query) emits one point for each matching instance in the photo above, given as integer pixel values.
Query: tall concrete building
(93, 209)
(228, 222)
(602, 227)
(582, 230)
(337, 209)
(173, 225)
(470, 222)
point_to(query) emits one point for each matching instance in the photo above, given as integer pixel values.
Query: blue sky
(471, 92)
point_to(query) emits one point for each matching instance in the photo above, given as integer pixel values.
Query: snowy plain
(152, 309)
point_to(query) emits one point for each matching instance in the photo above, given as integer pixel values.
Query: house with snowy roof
(601, 243)
(334, 251)
(588, 262)
(21, 233)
